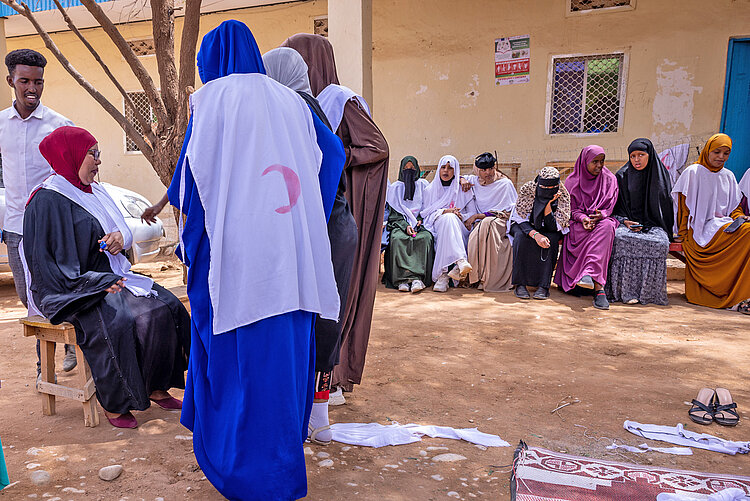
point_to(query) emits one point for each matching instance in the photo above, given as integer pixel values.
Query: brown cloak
(367, 180)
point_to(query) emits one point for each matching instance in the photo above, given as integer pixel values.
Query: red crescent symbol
(292, 185)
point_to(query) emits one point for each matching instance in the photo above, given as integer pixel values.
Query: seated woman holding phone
(586, 249)
(638, 268)
(714, 231)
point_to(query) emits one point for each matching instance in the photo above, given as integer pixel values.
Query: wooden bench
(84, 389)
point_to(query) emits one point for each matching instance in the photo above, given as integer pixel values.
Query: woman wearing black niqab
(645, 210)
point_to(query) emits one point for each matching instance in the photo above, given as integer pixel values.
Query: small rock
(423, 453)
(481, 447)
(159, 499)
(73, 490)
(34, 451)
(308, 451)
(448, 458)
(437, 448)
(345, 448)
(351, 484)
(454, 494)
(323, 455)
(394, 466)
(109, 473)
(183, 437)
(437, 477)
(326, 463)
(472, 495)
(31, 466)
(40, 477)
(62, 458)
(189, 489)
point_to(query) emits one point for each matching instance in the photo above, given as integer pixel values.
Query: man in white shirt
(22, 128)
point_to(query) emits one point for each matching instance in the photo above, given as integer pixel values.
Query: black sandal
(703, 405)
(723, 404)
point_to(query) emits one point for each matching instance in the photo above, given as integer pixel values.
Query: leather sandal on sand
(313, 434)
(702, 411)
(725, 411)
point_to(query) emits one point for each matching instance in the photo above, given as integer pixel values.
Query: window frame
(623, 86)
(124, 112)
(620, 8)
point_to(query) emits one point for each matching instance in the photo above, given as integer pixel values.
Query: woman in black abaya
(134, 334)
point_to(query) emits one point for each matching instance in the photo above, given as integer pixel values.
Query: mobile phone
(637, 226)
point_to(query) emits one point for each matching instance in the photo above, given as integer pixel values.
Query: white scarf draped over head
(254, 155)
(286, 66)
(99, 204)
(710, 197)
(333, 99)
(437, 197)
(408, 208)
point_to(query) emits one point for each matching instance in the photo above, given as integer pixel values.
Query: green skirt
(408, 258)
(4, 480)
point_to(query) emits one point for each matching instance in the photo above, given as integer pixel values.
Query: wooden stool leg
(90, 411)
(47, 351)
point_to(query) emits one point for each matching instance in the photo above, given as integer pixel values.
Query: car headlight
(134, 206)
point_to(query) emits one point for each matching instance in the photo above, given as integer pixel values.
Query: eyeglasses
(95, 153)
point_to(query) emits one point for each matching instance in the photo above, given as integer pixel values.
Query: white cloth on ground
(677, 451)
(498, 196)
(332, 100)
(408, 208)
(99, 204)
(286, 65)
(379, 435)
(679, 436)
(745, 184)
(730, 494)
(267, 233)
(710, 197)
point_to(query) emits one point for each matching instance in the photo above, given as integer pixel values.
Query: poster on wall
(512, 57)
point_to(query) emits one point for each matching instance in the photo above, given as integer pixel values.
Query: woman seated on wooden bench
(134, 334)
(714, 231)
(638, 267)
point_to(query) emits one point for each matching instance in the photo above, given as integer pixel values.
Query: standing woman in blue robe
(258, 270)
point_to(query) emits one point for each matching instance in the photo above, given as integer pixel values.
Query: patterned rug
(542, 475)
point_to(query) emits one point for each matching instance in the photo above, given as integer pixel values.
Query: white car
(145, 237)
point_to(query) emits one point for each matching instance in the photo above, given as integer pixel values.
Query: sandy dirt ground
(461, 359)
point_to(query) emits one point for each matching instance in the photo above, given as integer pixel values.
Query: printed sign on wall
(512, 56)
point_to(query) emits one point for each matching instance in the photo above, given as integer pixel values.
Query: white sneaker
(464, 268)
(455, 274)
(404, 287)
(417, 286)
(441, 284)
(336, 397)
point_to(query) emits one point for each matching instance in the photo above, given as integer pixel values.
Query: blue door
(735, 119)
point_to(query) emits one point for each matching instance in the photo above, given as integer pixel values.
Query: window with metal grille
(143, 46)
(586, 94)
(584, 5)
(320, 26)
(144, 108)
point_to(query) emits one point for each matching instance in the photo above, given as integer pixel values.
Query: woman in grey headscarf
(286, 66)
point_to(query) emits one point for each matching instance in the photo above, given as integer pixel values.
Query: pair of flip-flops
(714, 405)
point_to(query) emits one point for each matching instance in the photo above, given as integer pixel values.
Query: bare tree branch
(188, 45)
(154, 98)
(129, 129)
(162, 23)
(145, 124)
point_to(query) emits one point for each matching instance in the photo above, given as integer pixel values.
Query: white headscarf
(408, 208)
(333, 99)
(254, 155)
(710, 197)
(286, 66)
(745, 185)
(437, 197)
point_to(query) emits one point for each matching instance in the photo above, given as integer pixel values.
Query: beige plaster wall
(270, 25)
(434, 74)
